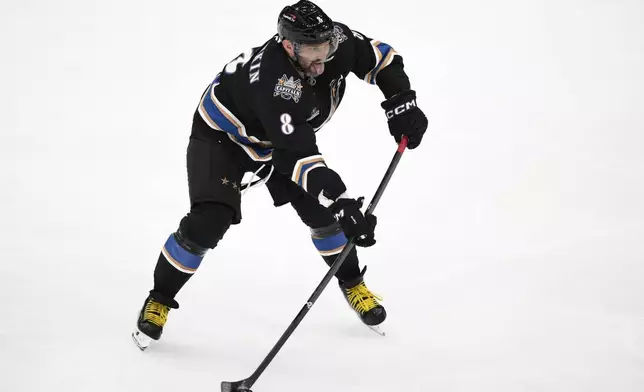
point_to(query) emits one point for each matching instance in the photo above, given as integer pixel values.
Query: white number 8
(287, 127)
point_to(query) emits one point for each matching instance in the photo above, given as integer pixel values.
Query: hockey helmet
(306, 23)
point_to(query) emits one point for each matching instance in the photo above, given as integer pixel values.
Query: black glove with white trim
(353, 223)
(405, 118)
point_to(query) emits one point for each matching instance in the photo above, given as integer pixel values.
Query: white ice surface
(511, 243)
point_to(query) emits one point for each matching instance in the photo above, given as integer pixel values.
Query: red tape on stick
(403, 144)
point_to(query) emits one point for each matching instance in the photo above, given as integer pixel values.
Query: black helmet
(305, 23)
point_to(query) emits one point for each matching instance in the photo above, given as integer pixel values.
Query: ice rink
(510, 249)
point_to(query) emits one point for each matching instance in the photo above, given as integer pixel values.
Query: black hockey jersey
(272, 112)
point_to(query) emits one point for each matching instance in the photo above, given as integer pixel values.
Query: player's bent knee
(311, 212)
(205, 225)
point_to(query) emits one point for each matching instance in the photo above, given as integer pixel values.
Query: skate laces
(156, 313)
(361, 298)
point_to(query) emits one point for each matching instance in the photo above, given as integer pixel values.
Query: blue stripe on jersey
(302, 168)
(228, 126)
(221, 120)
(305, 169)
(331, 243)
(179, 255)
(384, 50)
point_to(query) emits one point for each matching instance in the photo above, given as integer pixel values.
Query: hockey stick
(246, 384)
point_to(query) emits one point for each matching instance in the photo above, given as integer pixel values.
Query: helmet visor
(312, 56)
(322, 51)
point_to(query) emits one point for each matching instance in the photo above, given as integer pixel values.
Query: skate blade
(376, 329)
(141, 340)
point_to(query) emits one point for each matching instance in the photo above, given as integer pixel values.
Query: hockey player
(260, 114)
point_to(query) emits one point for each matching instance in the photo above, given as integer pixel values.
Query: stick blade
(234, 386)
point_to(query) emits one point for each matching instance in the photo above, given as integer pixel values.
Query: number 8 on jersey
(287, 127)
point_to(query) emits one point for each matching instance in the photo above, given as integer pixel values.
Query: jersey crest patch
(337, 31)
(288, 88)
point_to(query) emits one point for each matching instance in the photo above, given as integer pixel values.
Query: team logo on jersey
(314, 113)
(339, 34)
(288, 88)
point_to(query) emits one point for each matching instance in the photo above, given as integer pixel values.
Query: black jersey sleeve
(282, 106)
(376, 62)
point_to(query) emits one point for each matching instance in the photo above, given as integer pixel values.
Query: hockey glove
(405, 118)
(354, 224)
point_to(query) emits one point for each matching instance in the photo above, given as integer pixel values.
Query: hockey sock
(178, 261)
(330, 242)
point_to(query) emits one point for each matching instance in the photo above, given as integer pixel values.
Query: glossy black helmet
(305, 23)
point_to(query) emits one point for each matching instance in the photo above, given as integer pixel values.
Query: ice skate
(152, 318)
(364, 303)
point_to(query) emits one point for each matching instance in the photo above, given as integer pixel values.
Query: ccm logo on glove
(401, 109)
(405, 118)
